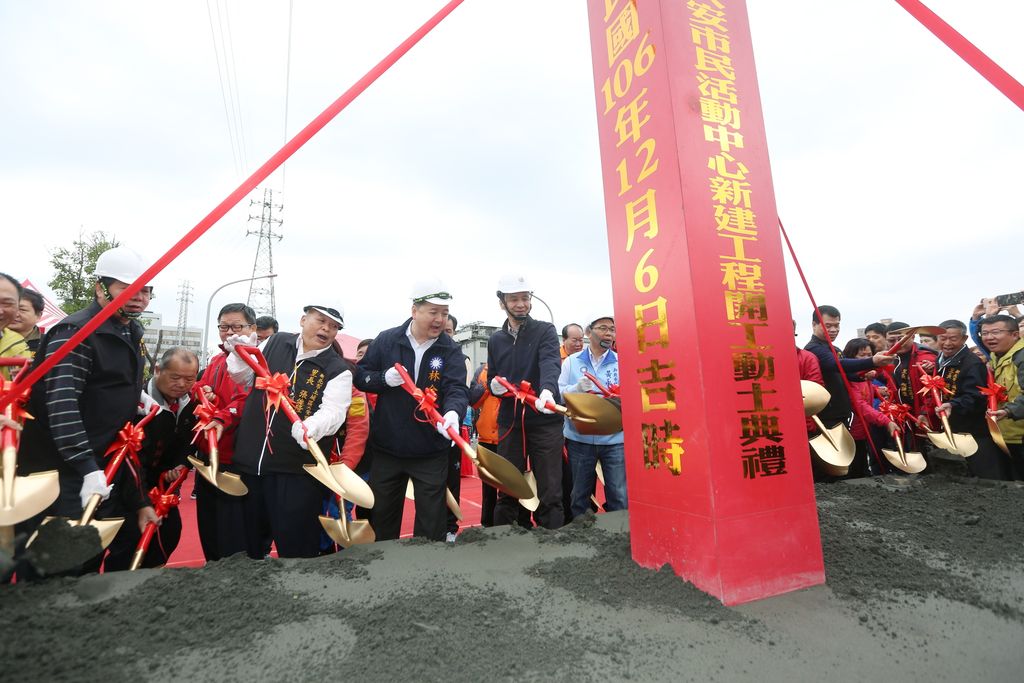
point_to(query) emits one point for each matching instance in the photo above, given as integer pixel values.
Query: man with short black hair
(12, 344)
(824, 331)
(965, 408)
(572, 340)
(1001, 336)
(403, 447)
(525, 349)
(270, 451)
(875, 333)
(266, 326)
(30, 309)
(911, 362)
(221, 517)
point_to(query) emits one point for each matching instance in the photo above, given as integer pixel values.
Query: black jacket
(107, 399)
(254, 452)
(839, 407)
(395, 428)
(964, 374)
(531, 355)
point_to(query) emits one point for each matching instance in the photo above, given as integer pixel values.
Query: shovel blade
(449, 499)
(816, 397)
(356, 488)
(913, 464)
(997, 434)
(337, 530)
(533, 502)
(600, 472)
(228, 482)
(506, 476)
(30, 495)
(594, 415)
(963, 445)
(324, 476)
(836, 447)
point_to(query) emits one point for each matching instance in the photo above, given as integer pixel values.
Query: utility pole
(261, 293)
(184, 299)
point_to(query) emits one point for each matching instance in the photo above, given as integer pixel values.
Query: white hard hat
(120, 263)
(335, 314)
(602, 317)
(431, 291)
(512, 283)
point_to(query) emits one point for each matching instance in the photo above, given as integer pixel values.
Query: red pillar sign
(716, 447)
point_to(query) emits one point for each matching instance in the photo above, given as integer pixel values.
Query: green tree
(73, 267)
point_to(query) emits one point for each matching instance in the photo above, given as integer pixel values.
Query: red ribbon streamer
(967, 51)
(247, 186)
(995, 392)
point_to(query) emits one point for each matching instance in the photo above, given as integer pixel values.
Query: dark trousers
(543, 442)
(454, 485)
(220, 519)
(488, 494)
(1016, 461)
(289, 504)
(389, 477)
(988, 462)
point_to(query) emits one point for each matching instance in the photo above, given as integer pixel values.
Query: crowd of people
(888, 386)
(359, 412)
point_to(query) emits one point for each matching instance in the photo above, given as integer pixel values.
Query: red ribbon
(247, 186)
(276, 388)
(934, 383)
(995, 392)
(163, 502)
(126, 447)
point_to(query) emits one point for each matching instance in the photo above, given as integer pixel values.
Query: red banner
(718, 465)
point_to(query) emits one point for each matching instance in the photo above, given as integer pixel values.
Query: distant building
(158, 337)
(472, 337)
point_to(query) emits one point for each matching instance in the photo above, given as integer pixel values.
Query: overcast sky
(896, 166)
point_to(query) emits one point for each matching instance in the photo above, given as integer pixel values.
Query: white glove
(393, 378)
(584, 384)
(145, 403)
(299, 435)
(234, 340)
(451, 419)
(545, 397)
(497, 389)
(94, 482)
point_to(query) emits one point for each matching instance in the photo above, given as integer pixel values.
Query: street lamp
(206, 329)
(550, 314)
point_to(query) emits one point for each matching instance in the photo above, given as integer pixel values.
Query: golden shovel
(959, 443)
(996, 433)
(911, 463)
(321, 471)
(835, 447)
(356, 488)
(23, 497)
(593, 415)
(228, 482)
(346, 533)
(533, 502)
(449, 497)
(504, 475)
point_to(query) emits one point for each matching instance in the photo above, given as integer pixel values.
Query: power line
(223, 95)
(230, 59)
(287, 86)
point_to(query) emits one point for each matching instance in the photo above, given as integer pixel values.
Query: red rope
(967, 51)
(247, 186)
(832, 348)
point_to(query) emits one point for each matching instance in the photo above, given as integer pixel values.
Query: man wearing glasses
(599, 360)
(402, 445)
(527, 349)
(1001, 337)
(219, 516)
(81, 403)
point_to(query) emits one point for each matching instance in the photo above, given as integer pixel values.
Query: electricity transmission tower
(261, 292)
(184, 299)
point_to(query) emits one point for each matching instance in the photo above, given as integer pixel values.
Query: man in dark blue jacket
(527, 349)
(404, 447)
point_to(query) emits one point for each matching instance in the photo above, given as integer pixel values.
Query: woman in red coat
(862, 394)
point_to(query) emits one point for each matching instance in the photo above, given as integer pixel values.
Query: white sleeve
(239, 370)
(563, 377)
(333, 407)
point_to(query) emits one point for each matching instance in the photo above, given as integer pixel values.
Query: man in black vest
(401, 447)
(527, 349)
(965, 373)
(282, 496)
(81, 403)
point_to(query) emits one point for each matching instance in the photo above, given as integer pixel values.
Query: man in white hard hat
(527, 349)
(81, 403)
(269, 456)
(402, 446)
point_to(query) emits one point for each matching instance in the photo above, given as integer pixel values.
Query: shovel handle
(143, 546)
(597, 383)
(525, 395)
(255, 359)
(431, 411)
(894, 349)
(90, 509)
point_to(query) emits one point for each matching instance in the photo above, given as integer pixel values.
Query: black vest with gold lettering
(257, 450)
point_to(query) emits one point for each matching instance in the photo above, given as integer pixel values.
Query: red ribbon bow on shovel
(995, 392)
(163, 501)
(127, 445)
(934, 383)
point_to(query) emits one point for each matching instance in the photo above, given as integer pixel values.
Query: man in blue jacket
(527, 349)
(402, 446)
(585, 452)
